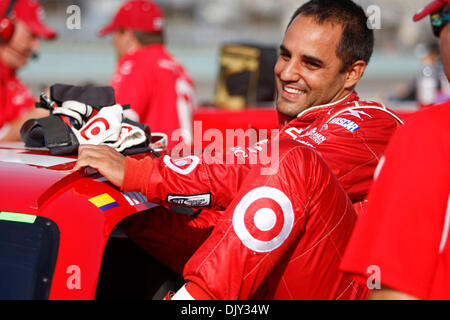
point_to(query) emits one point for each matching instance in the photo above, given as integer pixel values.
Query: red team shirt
(159, 90)
(15, 98)
(405, 231)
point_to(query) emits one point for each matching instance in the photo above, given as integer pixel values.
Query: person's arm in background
(10, 131)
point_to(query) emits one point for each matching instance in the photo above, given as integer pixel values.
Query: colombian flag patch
(104, 202)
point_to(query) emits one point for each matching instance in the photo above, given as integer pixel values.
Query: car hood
(26, 174)
(83, 205)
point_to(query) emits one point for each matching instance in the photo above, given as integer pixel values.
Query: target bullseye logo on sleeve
(263, 219)
(182, 166)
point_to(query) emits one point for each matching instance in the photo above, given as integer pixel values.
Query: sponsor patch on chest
(345, 123)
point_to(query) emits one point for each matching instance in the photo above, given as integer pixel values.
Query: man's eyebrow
(304, 56)
(313, 59)
(283, 49)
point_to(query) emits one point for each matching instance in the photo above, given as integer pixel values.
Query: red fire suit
(282, 237)
(350, 135)
(15, 98)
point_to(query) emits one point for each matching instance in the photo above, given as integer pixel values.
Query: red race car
(58, 235)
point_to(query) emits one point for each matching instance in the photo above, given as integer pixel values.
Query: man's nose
(290, 71)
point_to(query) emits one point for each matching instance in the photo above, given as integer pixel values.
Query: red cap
(32, 14)
(431, 7)
(138, 15)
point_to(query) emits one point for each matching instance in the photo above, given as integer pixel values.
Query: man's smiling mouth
(292, 93)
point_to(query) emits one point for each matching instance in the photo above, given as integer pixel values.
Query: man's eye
(284, 55)
(312, 64)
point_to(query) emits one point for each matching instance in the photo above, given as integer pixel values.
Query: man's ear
(354, 73)
(131, 40)
(128, 33)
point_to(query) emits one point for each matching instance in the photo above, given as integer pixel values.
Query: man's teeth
(292, 90)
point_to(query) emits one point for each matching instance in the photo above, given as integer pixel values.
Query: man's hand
(107, 161)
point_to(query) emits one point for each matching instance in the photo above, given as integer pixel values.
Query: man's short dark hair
(357, 39)
(146, 38)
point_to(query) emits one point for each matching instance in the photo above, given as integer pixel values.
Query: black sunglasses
(438, 21)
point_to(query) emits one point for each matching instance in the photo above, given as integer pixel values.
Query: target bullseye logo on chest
(263, 219)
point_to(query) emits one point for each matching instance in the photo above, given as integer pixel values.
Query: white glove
(129, 136)
(74, 109)
(103, 127)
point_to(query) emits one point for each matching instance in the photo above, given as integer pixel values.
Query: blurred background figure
(19, 42)
(157, 87)
(427, 84)
(430, 85)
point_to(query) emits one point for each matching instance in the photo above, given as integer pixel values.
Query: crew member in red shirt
(400, 247)
(16, 100)
(156, 85)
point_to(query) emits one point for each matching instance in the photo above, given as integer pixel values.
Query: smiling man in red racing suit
(358, 128)
(297, 202)
(350, 135)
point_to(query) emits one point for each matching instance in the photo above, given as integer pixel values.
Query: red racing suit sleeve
(204, 180)
(281, 237)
